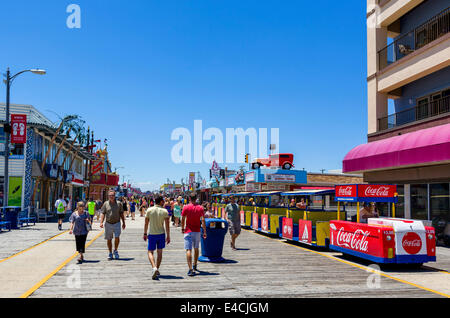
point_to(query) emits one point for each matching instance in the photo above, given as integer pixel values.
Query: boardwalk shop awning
(244, 194)
(266, 193)
(307, 192)
(426, 146)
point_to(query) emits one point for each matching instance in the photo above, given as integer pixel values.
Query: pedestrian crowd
(183, 212)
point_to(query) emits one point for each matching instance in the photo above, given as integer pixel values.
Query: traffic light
(246, 158)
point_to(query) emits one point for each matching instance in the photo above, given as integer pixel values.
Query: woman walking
(79, 227)
(177, 209)
(132, 209)
(144, 206)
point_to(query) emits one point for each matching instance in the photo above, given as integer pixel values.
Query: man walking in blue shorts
(156, 217)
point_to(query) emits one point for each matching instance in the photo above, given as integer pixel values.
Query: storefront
(418, 162)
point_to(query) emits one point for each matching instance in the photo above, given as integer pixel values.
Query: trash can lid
(216, 220)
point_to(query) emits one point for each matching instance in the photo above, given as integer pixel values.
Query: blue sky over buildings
(138, 70)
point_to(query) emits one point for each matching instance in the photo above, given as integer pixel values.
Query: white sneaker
(154, 273)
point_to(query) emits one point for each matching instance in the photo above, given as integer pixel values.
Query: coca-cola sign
(346, 190)
(412, 243)
(353, 240)
(376, 191)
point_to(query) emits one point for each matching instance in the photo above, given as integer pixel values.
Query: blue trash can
(212, 247)
(12, 215)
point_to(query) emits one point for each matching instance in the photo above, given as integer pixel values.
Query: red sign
(255, 221)
(362, 238)
(265, 223)
(18, 129)
(412, 243)
(376, 191)
(242, 217)
(346, 191)
(288, 228)
(305, 231)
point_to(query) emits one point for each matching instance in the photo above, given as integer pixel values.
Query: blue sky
(137, 70)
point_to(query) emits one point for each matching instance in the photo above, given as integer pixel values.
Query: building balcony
(417, 113)
(433, 29)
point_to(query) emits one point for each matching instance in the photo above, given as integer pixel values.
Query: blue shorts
(156, 242)
(191, 240)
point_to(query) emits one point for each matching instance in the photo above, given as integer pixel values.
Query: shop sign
(77, 179)
(215, 170)
(18, 129)
(191, 178)
(242, 217)
(276, 187)
(230, 181)
(253, 187)
(280, 178)
(250, 176)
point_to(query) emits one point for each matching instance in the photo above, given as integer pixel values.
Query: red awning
(426, 146)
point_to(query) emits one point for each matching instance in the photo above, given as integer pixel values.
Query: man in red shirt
(192, 218)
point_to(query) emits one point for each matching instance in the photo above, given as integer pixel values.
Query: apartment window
(419, 201)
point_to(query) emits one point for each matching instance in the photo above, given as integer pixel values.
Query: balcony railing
(430, 109)
(407, 43)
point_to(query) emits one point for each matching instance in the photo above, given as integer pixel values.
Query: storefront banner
(280, 178)
(15, 191)
(18, 129)
(230, 180)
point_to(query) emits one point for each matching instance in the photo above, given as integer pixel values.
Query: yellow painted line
(368, 269)
(30, 248)
(46, 278)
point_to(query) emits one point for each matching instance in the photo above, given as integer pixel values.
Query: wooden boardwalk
(261, 267)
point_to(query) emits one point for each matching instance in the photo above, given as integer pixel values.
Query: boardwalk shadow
(170, 277)
(124, 259)
(242, 249)
(203, 273)
(90, 261)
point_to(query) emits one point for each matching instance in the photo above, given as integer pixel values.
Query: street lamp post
(9, 79)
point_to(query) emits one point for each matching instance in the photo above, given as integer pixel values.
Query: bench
(4, 224)
(24, 218)
(43, 214)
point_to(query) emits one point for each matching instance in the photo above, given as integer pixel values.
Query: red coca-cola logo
(354, 240)
(376, 192)
(412, 243)
(345, 191)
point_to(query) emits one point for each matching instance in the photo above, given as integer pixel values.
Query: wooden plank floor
(262, 267)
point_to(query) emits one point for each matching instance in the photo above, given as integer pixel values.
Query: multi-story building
(408, 87)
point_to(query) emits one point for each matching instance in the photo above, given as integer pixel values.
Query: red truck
(283, 160)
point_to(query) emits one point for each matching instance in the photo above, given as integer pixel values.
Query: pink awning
(431, 145)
